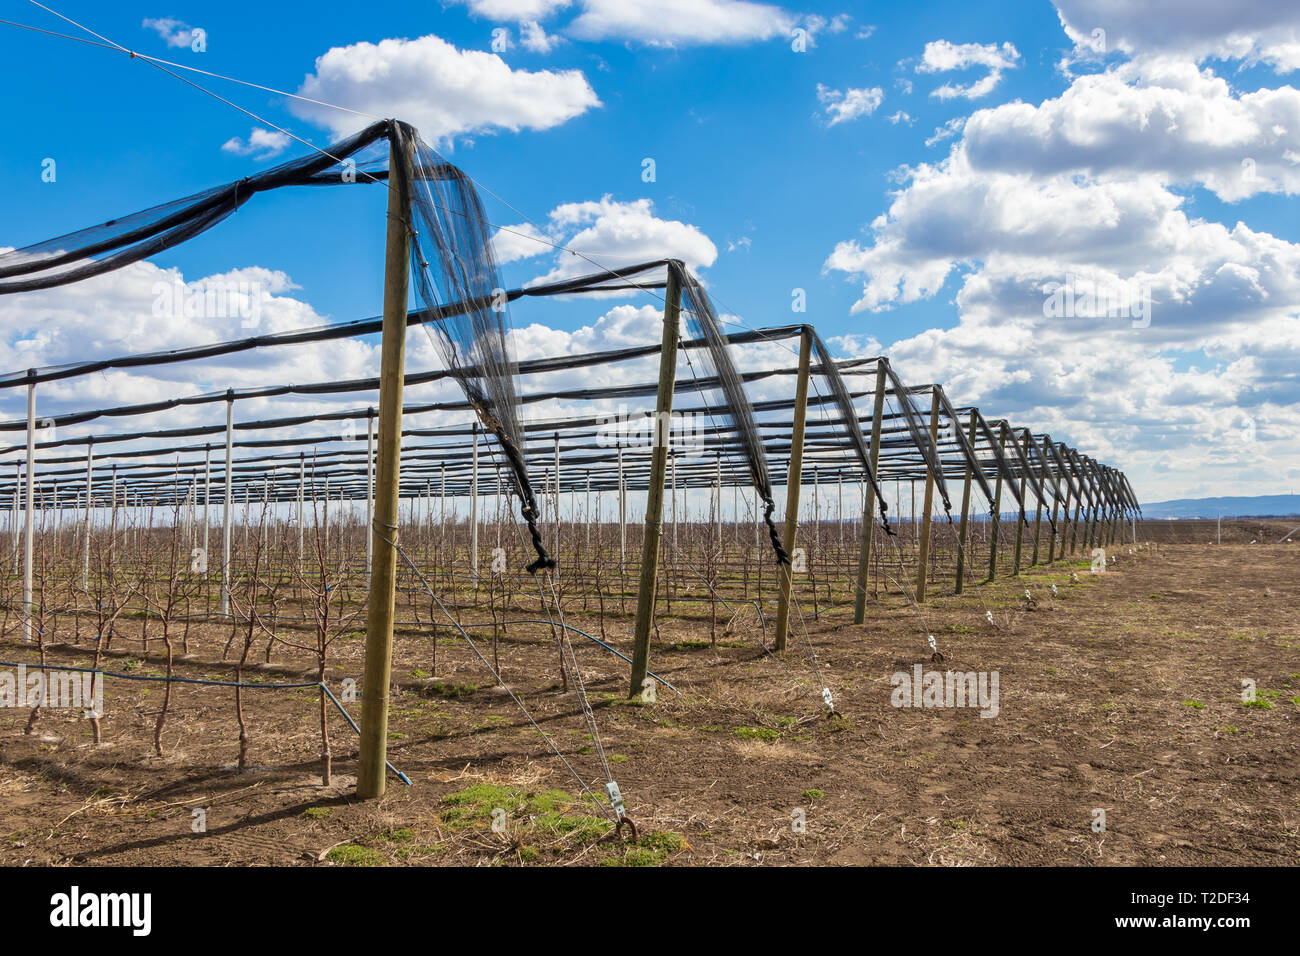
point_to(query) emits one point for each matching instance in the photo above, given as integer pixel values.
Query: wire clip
(616, 801)
(935, 656)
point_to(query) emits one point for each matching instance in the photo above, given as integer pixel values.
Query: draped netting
(703, 320)
(452, 261)
(119, 242)
(844, 400)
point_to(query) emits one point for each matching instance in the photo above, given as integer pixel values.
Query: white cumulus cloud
(444, 91)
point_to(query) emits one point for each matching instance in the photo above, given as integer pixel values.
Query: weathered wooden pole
(473, 507)
(672, 478)
(85, 549)
(370, 487)
(302, 494)
(869, 500)
(793, 475)
(661, 435)
(383, 531)
(207, 501)
(225, 505)
(964, 528)
(923, 553)
(1038, 519)
(996, 514)
(1021, 521)
(557, 501)
(29, 523)
(1059, 528)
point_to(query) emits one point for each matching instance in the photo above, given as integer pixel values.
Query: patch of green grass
(1241, 637)
(618, 700)
(653, 849)
(317, 813)
(397, 835)
(529, 854)
(352, 855)
(452, 691)
(1194, 703)
(813, 794)
(585, 829)
(419, 674)
(543, 814)
(756, 733)
(1263, 703)
(1230, 729)
(618, 758)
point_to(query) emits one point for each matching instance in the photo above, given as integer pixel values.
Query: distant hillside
(1257, 507)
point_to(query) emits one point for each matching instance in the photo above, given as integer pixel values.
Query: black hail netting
(1001, 462)
(704, 322)
(844, 400)
(920, 437)
(452, 261)
(464, 312)
(122, 241)
(967, 449)
(1026, 471)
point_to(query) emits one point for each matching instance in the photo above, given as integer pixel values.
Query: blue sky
(742, 149)
(752, 157)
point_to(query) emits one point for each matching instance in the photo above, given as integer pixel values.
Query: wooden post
(29, 522)
(1056, 527)
(661, 432)
(964, 527)
(1038, 522)
(473, 508)
(85, 550)
(923, 554)
(383, 573)
(370, 487)
(996, 514)
(225, 505)
(557, 501)
(793, 476)
(869, 501)
(1020, 531)
(302, 489)
(622, 509)
(672, 478)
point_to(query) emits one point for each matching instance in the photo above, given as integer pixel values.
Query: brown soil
(1123, 692)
